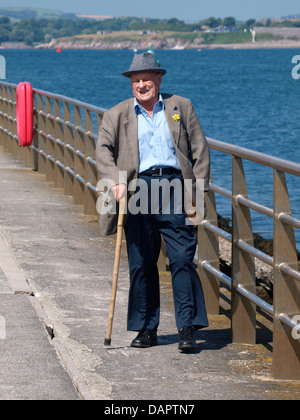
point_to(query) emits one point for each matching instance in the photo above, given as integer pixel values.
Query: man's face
(145, 87)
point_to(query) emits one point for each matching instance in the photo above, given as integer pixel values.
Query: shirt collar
(160, 103)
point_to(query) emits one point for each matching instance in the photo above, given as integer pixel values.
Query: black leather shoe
(145, 338)
(187, 342)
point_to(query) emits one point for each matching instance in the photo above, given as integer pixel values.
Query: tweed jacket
(117, 147)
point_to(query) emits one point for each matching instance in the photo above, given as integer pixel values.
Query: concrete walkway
(55, 285)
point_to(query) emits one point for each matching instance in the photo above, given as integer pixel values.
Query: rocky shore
(166, 44)
(268, 45)
(263, 272)
(157, 44)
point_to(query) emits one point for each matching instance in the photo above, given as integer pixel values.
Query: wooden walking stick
(107, 341)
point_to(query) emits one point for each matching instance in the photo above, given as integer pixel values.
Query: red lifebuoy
(25, 114)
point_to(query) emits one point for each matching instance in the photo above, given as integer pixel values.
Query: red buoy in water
(59, 50)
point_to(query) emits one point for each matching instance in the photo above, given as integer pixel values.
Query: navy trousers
(143, 236)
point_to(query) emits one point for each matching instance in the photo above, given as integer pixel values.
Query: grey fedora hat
(144, 63)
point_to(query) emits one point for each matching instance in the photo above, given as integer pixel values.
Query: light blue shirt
(156, 147)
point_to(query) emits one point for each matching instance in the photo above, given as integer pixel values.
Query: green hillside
(17, 14)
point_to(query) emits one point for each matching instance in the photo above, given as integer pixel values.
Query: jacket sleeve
(199, 149)
(107, 152)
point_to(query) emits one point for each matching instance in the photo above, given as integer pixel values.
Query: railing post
(49, 145)
(78, 160)
(243, 265)
(286, 357)
(59, 149)
(7, 141)
(208, 250)
(34, 164)
(2, 141)
(41, 131)
(90, 173)
(69, 155)
(11, 108)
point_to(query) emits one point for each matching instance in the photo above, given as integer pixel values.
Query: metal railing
(64, 143)
(64, 150)
(284, 262)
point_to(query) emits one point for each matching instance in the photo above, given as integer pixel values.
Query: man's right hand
(119, 191)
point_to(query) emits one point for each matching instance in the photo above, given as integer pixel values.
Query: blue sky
(190, 10)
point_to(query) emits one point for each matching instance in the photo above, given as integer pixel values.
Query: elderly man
(149, 137)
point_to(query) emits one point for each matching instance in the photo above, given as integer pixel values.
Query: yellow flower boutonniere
(176, 117)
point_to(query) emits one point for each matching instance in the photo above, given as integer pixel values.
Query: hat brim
(158, 71)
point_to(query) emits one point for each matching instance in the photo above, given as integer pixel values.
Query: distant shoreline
(278, 44)
(157, 45)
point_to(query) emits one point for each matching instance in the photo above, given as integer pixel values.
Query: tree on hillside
(250, 23)
(211, 22)
(229, 21)
(27, 31)
(5, 29)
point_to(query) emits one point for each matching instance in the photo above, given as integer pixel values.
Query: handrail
(70, 101)
(64, 151)
(255, 206)
(257, 157)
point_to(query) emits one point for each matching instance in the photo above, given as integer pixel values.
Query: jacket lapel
(171, 109)
(131, 130)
